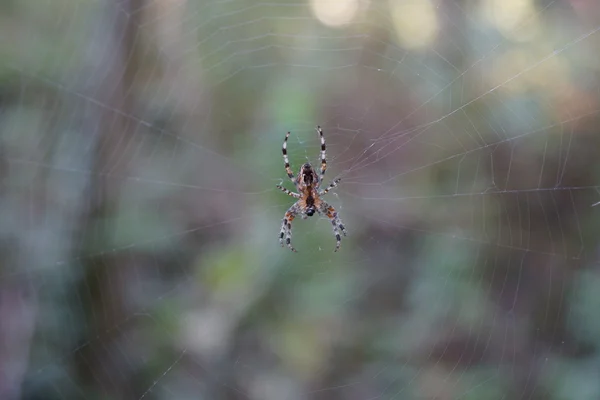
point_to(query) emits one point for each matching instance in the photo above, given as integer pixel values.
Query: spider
(309, 196)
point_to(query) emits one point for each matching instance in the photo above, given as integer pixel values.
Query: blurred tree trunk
(113, 61)
(41, 216)
(18, 309)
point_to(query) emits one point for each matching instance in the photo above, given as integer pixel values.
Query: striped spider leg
(336, 222)
(331, 186)
(323, 153)
(286, 226)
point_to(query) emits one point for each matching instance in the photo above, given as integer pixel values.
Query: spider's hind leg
(336, 222)
(286, 227)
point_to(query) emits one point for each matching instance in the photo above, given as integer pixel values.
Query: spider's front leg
(286, 161)
(335, 221)
(286, 226)
(323, 152)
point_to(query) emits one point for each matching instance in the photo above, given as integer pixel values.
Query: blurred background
(140, 147)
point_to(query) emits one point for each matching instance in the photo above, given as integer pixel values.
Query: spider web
(140, 215)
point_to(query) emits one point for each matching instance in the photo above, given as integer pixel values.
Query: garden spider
(309, 196)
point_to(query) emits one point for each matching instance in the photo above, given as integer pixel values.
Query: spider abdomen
(310, 205)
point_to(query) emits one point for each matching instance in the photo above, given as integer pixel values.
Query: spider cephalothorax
(307, 176)
(309, 196)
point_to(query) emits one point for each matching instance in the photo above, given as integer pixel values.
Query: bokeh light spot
(334, 12)
(415, 21)
(515, 19)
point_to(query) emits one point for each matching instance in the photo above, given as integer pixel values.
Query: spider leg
(330, 212)
(285, 158)
(288, 192)
(331, 186)
(286, 226)
(323, 155)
